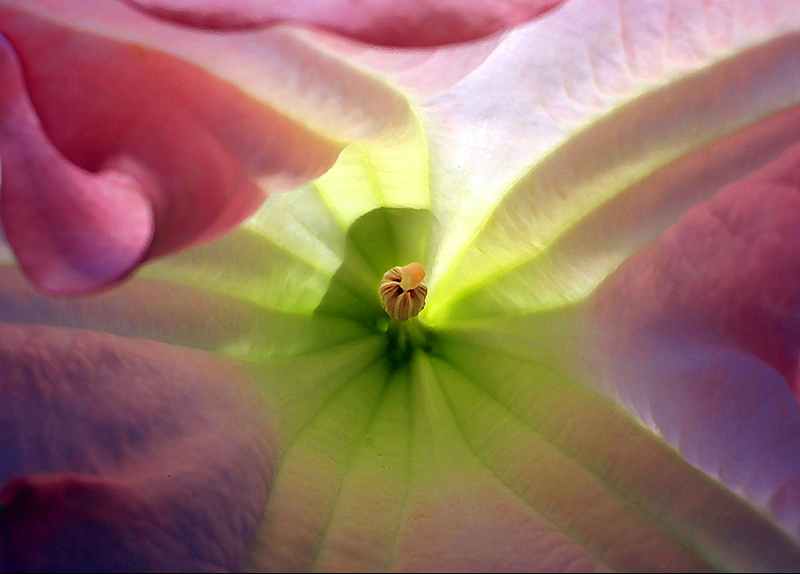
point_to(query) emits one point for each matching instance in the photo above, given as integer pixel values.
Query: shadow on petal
(384, 23)
(126, 454)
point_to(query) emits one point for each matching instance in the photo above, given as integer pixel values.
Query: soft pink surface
(382, 22)
(698, 334)
(113, 473)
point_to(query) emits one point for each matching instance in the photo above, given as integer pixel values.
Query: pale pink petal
(124, 454)
(383, 22)
(604, 121)
(698, 334)
(421, 71)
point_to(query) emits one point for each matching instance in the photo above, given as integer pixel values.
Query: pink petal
(128, 455)
(701, 336)
(114, 153)
(419, 72)
(94, 229)
(382, 22)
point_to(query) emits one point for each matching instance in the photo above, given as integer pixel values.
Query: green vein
(401, 514)
(636, 508)
(502, 483)
(327, 402)
(317, 187)
(730, 547)
(682, 82)
(347, 470)
(333, 393)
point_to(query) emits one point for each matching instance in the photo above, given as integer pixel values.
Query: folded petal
(143, 155)
(383, 22)
(184, 131)
(698, 335)
(124, 454)
(70, 229)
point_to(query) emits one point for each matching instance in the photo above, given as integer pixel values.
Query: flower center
(403, 292)
(403, 297)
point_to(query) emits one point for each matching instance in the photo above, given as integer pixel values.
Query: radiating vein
(630, 509)
(345, 474)
(637, 467)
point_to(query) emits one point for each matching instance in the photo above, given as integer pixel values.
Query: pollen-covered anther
(403, 292)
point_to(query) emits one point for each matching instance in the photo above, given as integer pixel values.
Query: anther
(403, 292)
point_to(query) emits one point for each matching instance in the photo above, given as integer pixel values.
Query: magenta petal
(72, 231)
(126, 454)
(382, 22)
(699, 335)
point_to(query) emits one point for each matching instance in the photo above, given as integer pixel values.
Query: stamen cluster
(403, 292)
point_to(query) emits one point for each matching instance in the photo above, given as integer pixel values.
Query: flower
(603, 373)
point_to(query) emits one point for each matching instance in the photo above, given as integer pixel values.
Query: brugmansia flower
(605, 202)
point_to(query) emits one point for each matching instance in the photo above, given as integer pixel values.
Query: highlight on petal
(382, 22)
(419, 72)
(608, 120)
(698, 335)
(125, 454)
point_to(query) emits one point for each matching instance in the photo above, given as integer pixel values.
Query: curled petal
(71, 230)
(114, 152)
(123, 454)
(383, 22)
